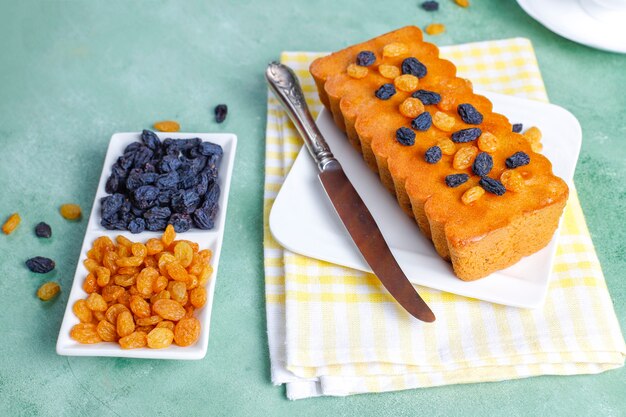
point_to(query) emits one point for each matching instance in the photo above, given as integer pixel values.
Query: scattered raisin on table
(40, 265)
(462, 3)
(430, 6)
(48, 290)
(70, 211)
(43, 230)
(11, 224)
(435, 29)
(221, 111)
(167, 126)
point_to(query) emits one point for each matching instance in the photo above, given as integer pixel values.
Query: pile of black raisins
(156, 183)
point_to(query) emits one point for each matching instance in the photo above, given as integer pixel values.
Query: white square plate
(206, 239)
(303, 220)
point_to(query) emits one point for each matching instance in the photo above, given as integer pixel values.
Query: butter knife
(349, 206)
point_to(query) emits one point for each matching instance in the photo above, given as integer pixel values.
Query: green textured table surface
(72, 73)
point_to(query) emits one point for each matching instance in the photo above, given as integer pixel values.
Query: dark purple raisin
(167, 181)
(414, 67)
(221, 110)
(386, 91)
(430, 6)
(185, 201)
(181, 222)
(482, 164)
(433, 154)
(134, 180)
(405, 136)
(491, 185)
(145, 196)
(208, 149)
(466, 135)
(40, 265)
(204, 217)
(365, 58)
(427, 97)
(169, 163)
(454, 180)
(517, 127)
(150, 139)
(43, 230)
(143, 155)
(422, 122)
(111, 204)
(518, 159)
(112, 184)
(469, 114)
(137, 225)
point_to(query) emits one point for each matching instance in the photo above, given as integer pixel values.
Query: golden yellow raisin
(411, 107)
(129, 261)
(446, 103)
(165, 259)
(106, 331)
(128, 270)
(165, 295)
(447, 146)
(167, 126)
(512, 180)
(113, 311)
(357, 71)
(168, 309)
(85, 333)
(184, 253)
(144, 329)
(90, 264)
(177, 272)
(48, 290)
(81, 311)
(139, 307)
(406, 82)
(124, 280)
(90, 285)
(125, 323)
(160, 338)
(197, 297)
(435, 29)
(443, 122)
(462, 3)
(154, 246)
(11, 224)
(472, 194)
(123, 251)
(108, 261)
(168, 235)
(124, 299)
(165, 324)
(532, 135)
(536, 147)
(159, 284)
(178, 291)
(98, 315)
(192, 282)
(487, 142)
(464, 157)
(121, 240)
(187, 331)
(150, 261)
(145, 281)
(112, 292)
(189, 309)
(134, 340)
(389, 71)
(395, 49)
(95, 302)
(139, 249)
(149, 321)
(70, 211)
(203, 278)
(103, 276)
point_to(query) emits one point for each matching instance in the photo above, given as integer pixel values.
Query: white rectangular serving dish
(206, 239)
(303, 220)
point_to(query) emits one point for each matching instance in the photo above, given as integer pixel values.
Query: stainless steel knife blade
(349, 206)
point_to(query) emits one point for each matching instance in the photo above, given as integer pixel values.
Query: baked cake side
(442, 151)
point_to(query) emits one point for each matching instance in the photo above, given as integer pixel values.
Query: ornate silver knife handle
(284, 84)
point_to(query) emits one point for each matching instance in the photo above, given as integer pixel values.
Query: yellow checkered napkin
(336, 331)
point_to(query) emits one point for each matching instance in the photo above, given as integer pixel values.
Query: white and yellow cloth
(336, 331)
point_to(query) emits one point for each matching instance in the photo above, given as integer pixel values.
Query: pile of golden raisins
(143, 295)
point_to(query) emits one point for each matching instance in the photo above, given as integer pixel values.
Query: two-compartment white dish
(206, 239)
(303, 220)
